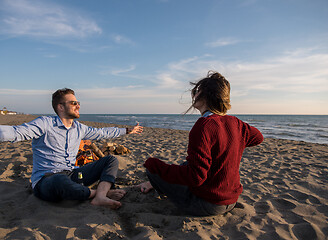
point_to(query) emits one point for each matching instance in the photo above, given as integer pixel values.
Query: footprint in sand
(304, 231)
(293, 218)
(281, 203)
(262, 207)
(300, 196)
(323, 209)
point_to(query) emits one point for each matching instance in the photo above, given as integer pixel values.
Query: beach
(285, 194)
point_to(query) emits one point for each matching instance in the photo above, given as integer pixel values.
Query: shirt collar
(207, 113)
(58, 122)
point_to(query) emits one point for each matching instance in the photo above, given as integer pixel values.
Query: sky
(140, 56)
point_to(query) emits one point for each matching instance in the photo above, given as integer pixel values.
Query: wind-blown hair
(215, 90)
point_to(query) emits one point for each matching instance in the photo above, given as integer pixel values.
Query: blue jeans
(185, 200)
(65, 186)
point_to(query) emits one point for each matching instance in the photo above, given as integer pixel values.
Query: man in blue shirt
(55, 143)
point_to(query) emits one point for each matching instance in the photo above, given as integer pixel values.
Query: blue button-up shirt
(54, 146)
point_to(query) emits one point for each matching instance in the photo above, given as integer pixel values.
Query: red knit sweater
(216, 145)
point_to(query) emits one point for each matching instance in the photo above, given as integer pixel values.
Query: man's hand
(136, 130)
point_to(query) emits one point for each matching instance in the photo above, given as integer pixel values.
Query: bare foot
(106, 202)
(116, 194)
(145, 187)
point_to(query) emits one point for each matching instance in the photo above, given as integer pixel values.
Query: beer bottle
(80, 178)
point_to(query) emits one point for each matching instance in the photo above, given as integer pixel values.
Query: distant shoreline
(232, 114)
(23, 118)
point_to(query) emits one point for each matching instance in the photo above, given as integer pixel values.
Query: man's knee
(109, 169)
(110, 161)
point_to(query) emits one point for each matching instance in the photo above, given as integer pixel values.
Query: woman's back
(216, 144)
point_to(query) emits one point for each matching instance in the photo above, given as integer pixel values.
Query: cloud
(300, 71)
(275, 85)
(45, 53)
(166, 81)
(116, 71)
(222, 42)
(44, 20)
(119, 39)
(23, 92)
(93, 93)
(297, 73)
(127, 92)
(161, 80)
(128, 99)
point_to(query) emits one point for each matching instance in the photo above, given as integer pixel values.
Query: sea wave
(294, 127)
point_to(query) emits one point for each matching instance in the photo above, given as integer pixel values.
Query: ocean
(307, 128)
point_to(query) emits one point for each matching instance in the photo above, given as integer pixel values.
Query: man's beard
(73, 115)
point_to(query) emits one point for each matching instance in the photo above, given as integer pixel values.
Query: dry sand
(285, 195)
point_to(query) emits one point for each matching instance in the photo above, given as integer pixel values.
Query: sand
(285, 195)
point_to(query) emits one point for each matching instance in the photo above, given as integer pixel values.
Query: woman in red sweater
(208, 183)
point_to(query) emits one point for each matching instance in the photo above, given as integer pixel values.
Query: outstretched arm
(137, 129)
(107, 132)
(26, 131)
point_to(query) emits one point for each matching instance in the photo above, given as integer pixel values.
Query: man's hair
(215, 90)
(57, 97)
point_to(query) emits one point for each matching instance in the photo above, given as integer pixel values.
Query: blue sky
(139, 56)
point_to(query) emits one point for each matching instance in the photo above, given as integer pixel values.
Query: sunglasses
(74, 103)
